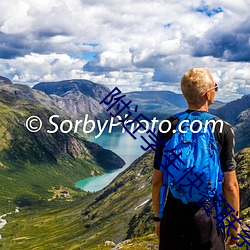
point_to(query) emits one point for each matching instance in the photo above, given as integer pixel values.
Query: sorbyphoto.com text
(87, 126)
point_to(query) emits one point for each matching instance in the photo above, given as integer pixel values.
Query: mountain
(34, 166)
(161, 99)
(162, 104)
(77, 97)
(31, 164)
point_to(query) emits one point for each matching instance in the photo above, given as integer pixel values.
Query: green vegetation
(49, 225)
(243, 175)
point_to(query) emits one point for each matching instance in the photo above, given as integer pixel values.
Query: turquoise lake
(122, 144)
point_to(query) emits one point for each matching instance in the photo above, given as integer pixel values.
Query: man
(187, 226)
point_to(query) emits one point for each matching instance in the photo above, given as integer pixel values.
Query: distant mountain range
(79, 97)
(161, 104)
(232, 110)
(157, 103)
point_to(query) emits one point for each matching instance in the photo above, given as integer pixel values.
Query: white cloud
(141, 44)
(35, 68)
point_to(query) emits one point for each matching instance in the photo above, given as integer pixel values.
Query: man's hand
(157, 228)
(232, 233)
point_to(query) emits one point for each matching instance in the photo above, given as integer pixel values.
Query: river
(122, 144)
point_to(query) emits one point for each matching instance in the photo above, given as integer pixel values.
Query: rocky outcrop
(232, 110)
(106, 158)
(4, 80)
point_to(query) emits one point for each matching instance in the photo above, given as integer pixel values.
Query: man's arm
(156, 187)
(157, 179)
(230, 184)
(231, 194)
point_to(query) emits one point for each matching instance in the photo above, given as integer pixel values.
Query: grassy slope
(106, 215)
(56, 225)
(60, 225)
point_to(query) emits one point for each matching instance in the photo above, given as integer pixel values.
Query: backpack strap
(182, 115)
(208, 116)
(219, 191)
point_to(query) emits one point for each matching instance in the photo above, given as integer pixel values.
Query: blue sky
(135, 45)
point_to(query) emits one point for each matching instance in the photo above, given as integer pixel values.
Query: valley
(38, 171)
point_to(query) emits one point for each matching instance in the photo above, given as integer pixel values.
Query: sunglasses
(216, 87)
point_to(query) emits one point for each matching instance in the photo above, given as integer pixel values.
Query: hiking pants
(187, 227)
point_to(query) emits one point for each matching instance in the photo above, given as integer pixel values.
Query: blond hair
(195, 83)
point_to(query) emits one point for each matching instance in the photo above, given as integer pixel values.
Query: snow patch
(2, 223)
(142, 204)
(143, 186)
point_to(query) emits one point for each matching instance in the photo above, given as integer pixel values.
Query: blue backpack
(191, 161)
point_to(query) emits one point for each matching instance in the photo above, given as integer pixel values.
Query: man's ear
(207, 95)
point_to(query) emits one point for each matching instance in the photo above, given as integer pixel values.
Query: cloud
(231, 45)
(142, 45)
(34, 68)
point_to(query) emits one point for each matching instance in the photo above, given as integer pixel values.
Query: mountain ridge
(77, 97)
